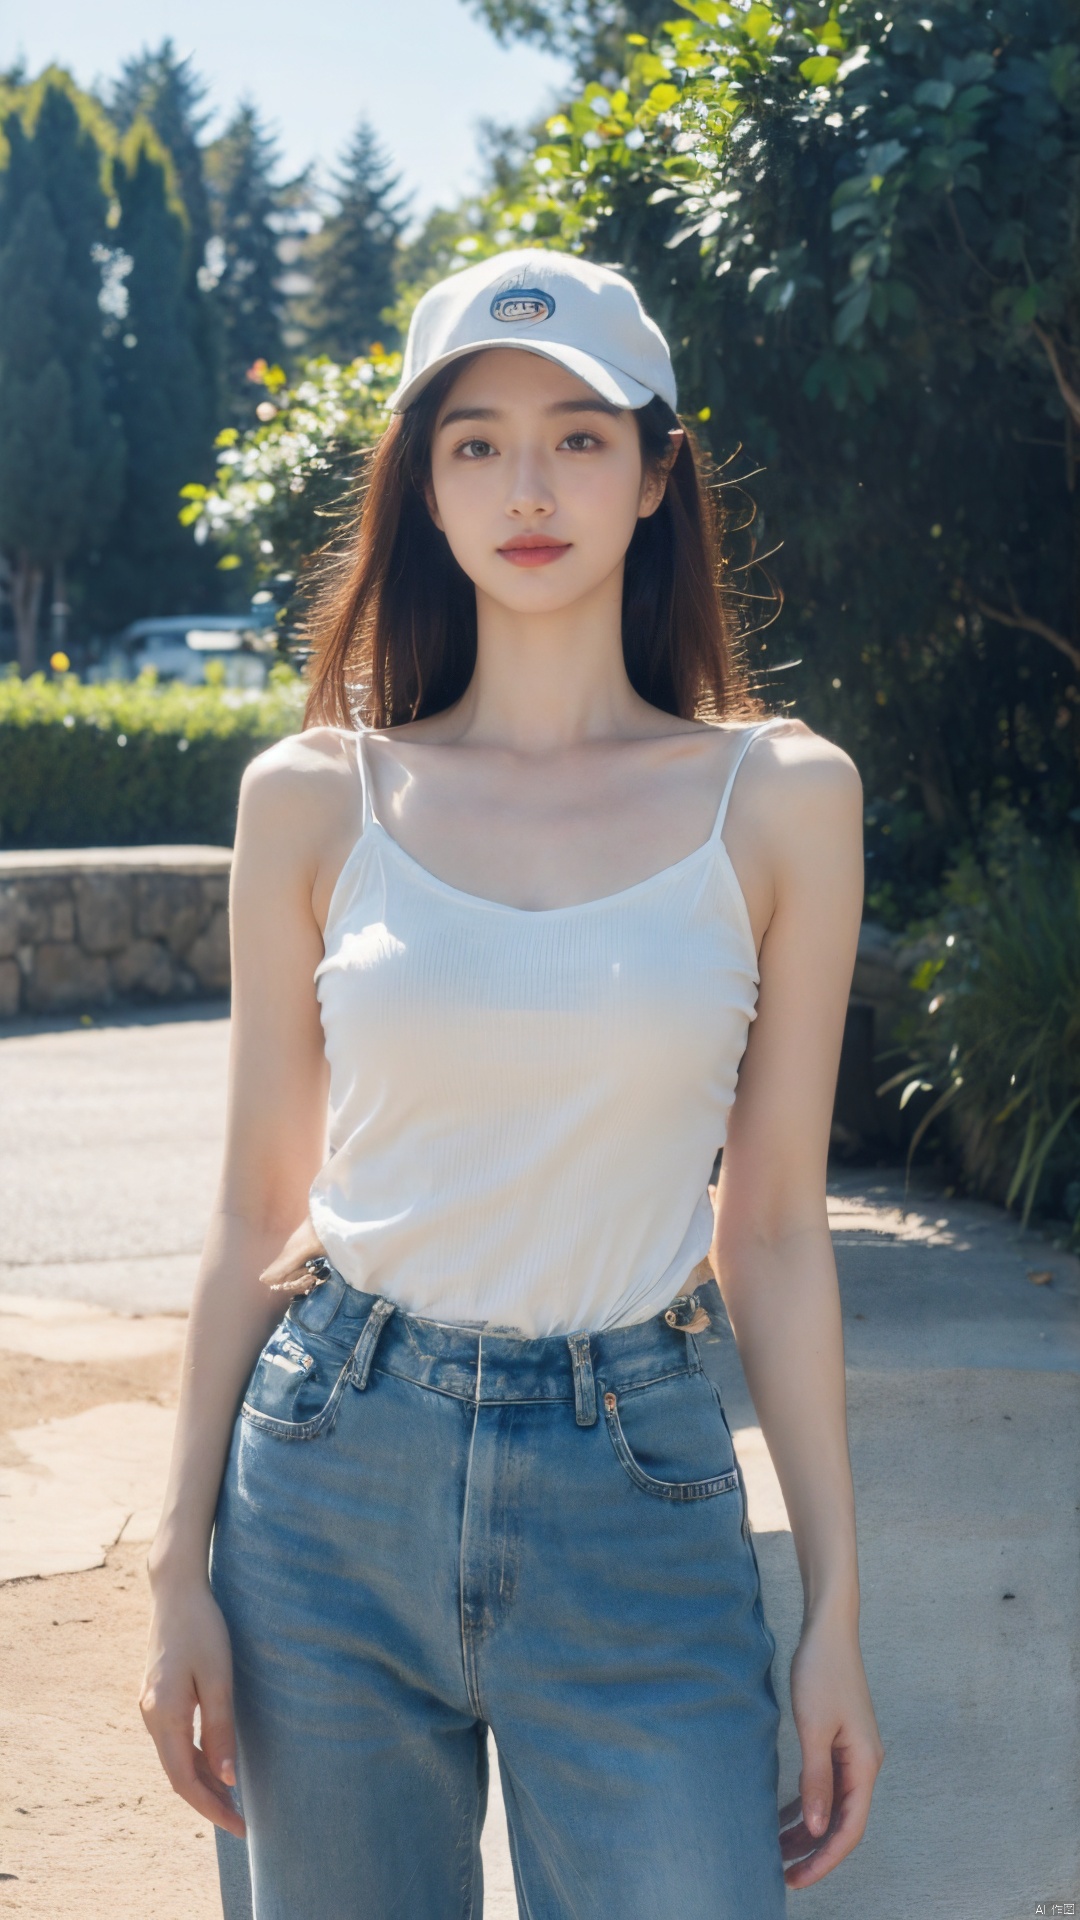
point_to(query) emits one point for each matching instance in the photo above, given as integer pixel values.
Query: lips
(533, 549)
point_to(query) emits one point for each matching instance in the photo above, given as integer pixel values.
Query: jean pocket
(297, 1384)
(672, 1439)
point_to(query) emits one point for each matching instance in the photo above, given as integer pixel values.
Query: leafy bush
(855, 222)
(284, 486)
(128, 763)
(999, 1033)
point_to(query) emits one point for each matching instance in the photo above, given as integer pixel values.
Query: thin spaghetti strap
(750, 734)
(369, 814)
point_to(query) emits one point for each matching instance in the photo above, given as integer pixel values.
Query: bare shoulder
(791, 768)
(797, 816)
(296, 793)
(300, 770)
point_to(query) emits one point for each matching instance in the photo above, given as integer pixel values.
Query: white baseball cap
(586, 317)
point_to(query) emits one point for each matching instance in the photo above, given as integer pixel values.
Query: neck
(546, 682)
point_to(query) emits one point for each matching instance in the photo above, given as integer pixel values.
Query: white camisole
(525, 1106)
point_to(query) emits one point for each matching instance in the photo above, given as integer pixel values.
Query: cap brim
(613, 386)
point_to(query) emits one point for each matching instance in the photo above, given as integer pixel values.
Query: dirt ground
(90, 1824)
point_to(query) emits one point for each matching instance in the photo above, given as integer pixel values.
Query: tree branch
(1028, 623)
(1065, 387)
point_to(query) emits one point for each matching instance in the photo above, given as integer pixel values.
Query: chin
(536, 590)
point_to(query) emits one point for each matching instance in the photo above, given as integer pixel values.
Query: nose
(529, 491)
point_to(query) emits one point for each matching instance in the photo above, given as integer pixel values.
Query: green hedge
(128, 763)
(997, 1038)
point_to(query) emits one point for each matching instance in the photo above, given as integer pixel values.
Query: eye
(475, 449)
(581, 436)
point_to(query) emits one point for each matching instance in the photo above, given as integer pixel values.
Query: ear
(432, 505)
(655, 484)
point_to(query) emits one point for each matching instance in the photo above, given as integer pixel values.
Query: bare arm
(274, 1145)
(774, 1261)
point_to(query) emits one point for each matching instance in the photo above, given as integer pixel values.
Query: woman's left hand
(842, 1752)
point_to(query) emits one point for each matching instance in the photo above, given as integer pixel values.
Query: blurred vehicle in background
(181, 647)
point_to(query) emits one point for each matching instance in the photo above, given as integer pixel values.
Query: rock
(62, 920)
(9, 922)
(64, 976)
(103, 907)
(10, 988)
(27, 914)
(208, 958)
(171, 907)
(143, 966)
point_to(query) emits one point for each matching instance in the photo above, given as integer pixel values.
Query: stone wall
(98, 926)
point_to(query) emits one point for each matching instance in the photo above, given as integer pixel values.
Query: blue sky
(423, 72)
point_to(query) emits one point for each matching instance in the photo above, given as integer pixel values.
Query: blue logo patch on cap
(522, 306)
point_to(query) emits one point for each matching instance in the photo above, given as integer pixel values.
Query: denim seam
(299, 1429)
(468, 1655)
(655, 1380)
(294, 1312)
(680, 1490)
(748, 1538)
(280, 1429)
(524, 1399)
(469, 1399)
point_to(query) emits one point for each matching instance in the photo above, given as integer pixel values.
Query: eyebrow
(556, 407)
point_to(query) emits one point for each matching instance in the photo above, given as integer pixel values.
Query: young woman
(511, 933)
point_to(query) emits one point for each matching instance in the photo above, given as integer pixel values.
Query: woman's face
(536, 482)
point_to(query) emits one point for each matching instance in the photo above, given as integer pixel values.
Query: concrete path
(962, 1364)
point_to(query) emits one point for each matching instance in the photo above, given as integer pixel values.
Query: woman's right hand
(189, 1665)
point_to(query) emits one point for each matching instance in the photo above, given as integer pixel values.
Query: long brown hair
(392, 628)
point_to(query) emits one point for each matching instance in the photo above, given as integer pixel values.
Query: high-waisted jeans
(425, 1531)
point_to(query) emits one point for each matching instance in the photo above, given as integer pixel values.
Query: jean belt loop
(364, 1350)
(584, 1379)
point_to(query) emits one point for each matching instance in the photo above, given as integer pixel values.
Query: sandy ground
(963, 1374)
(94, 1829)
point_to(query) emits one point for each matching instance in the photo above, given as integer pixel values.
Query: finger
(189, 1775)
(816, 1781)
(797, 1841)
(220, 1804)
(217, 1736)
(849, 1825)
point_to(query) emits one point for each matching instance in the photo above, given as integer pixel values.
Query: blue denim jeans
(426, 1531)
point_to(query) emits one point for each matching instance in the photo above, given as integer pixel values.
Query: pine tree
(165, 91)
(355, 255)
(246, 204)
(168, 93)
(154, 566)
(61, 454)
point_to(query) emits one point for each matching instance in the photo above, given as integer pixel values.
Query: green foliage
(166, 91)
(246, 202)
(129, 763)
(61, 454)
(998, 1038)
(354, 257)
(591, 33)
(158, 87)
(284, 487)
(856, 225)
(148, 567)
